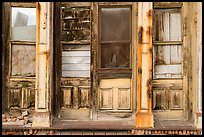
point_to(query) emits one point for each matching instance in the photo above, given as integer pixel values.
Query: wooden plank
(175, 24)
(176, 99)
(165, 23)
(82, 42)
(160, 101)
(162, 84)
(76, 53)
(75, 73)
(67, 92)
(167, 4)
(23, 4)
(165, 43)
(67, 67)
(165, 69)
(84, 97)
(176, 55)
(124, 98)
(167, 54)
(115, 3)
(15, 96)
(76, 47)
(106, 98)
(119, 83)
(166, 26)
(75, 60)
(76, 4)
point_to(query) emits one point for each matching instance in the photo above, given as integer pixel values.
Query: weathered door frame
(95, 57)
(94, 54)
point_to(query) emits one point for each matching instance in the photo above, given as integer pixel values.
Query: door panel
(115, 98)
(168, 94)
(75, 98)
(21, 57)
(168, 99)
(75, 62)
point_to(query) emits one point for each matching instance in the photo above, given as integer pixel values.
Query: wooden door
(114, 93)
(75, 81)
(168, 95)
(21, 56)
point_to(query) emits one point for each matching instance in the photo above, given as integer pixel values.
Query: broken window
(23, 24)
(167, 43)
(22, 54)
(115, 37)
(76, 37)
(23, 34)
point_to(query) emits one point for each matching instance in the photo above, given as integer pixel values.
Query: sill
(93, 124)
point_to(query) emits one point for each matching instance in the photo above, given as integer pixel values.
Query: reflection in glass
(115, 24)
(115, 55)
(23, 24)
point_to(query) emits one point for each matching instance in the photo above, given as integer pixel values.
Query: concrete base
(41, 119)
(144, 120)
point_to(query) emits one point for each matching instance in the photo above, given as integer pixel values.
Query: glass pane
(115, 24)
(23, 24)
(167, 25)
(75, 24)
(169, 54)
(23, 60)
(115, 55)
(167, 61)
(76, 61)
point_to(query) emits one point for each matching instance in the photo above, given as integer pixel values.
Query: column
(144, 115)
(44, 58)
(199, 67)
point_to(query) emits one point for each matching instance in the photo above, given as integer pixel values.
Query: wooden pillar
(44, 56)
(144, 116)
(199, 67)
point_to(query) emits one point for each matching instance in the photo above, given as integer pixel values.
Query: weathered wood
(23, 4)
(163, 84)
(198, 66)
(67, 92)
(44, 68)
(76, 47)
(114, 3)
(167, 4)
(166, 21)
(144, 116)
(76, 4)
(81, 73)
(5, 52)
(94, 61)
(57, 57)
(76, 60)
(115, 94)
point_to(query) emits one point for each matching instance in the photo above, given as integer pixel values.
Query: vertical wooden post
(199, 67)
(44, 55)
(144, 116)
(94, 59)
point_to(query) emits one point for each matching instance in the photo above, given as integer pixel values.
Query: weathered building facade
(102, 67)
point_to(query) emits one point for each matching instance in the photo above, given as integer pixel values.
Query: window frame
(78, 42)
(19, 42)
(170, 6)
(115, 72)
